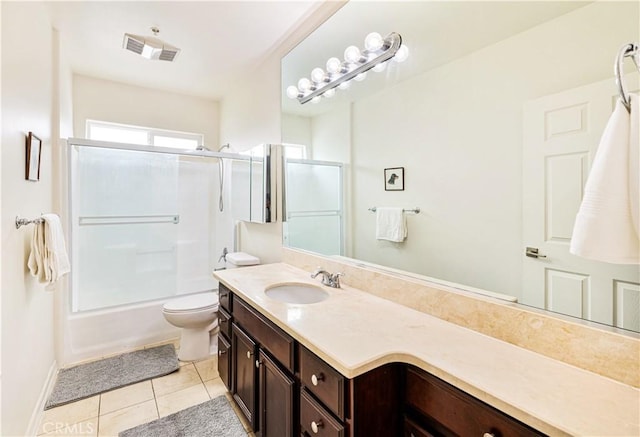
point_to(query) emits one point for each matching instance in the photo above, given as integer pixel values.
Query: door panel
(244, 373)
(276, 399)
(561, 135)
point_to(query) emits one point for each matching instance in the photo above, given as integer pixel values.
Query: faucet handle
(335, 278)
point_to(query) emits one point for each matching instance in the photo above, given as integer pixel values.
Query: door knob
(532, 252)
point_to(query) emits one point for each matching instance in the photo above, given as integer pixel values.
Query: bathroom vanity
(358, 365)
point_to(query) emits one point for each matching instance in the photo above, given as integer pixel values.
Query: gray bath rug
(214, 418)
(90, 379)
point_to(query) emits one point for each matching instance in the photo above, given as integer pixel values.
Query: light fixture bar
(394, 41)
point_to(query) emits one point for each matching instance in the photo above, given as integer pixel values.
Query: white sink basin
(296, 293)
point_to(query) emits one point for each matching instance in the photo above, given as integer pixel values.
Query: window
(124, 133)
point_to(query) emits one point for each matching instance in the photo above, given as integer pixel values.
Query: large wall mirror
(494, 117)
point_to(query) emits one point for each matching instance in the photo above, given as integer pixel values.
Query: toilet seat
(195, 302)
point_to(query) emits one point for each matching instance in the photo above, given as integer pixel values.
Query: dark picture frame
(33, 154)
(394, 179)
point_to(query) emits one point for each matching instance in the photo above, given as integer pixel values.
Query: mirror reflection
(494, 118)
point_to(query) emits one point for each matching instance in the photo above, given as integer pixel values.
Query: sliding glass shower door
(314, 206)
(140, 226)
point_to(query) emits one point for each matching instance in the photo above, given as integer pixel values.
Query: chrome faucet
(329, 279)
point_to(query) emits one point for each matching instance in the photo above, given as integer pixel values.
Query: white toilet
(197, 314)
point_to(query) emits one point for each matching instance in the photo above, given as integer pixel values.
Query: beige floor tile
(215, 387)
(181, 399)
(185, 377)
(236, 409)
(69, 414)
(174, 341)
(208, 369)
(112, 423)
(87, 428)
(125, 397)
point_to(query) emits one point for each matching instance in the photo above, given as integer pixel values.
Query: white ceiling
(220, 40)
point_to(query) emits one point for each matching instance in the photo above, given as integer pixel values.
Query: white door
(561, 134)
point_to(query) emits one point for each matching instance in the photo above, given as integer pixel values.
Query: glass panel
(138, 221)
(321, 234)
(313, 203)
(118, 134)
(179, 143)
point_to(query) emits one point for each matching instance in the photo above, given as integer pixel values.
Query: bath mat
(214, 418)
(90, 379)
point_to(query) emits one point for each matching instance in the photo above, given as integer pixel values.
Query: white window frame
(151, 132)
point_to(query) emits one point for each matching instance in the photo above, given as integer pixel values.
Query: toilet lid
(192, 302)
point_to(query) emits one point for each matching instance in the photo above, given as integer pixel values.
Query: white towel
(48, 260)
(390, 224)
(606, 227)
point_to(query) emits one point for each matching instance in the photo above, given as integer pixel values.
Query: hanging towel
(606, 227)
(48, 260)
(390, 224)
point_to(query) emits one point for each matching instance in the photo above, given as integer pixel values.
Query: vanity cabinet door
(244, 374)
(276, 394)
(224, 361)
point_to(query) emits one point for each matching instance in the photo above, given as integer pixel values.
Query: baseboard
(38, 412)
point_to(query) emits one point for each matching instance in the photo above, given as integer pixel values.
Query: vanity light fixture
(150, 47)
(377, 52)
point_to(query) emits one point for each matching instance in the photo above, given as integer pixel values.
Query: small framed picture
(394, 179)
(34, 151)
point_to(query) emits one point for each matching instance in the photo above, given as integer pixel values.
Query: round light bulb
(345, 85)
(373, 41)
(360, 77)
(380, 67)
(304, 84)
(334, 65)
(317, 75)
(316, 99)
(330, 93)
(402, 54)
(352, 54)
(292, 91)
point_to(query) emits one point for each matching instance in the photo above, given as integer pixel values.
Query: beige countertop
(355, 332)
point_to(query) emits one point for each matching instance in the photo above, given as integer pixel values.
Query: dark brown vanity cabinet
(285, 390)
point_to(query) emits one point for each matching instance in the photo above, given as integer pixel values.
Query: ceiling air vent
(150, 47)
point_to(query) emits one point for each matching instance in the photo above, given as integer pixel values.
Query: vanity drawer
(224, 321)
(457, 411)
(224, 297)
(315, 420)
(323, 381)
(269, 336)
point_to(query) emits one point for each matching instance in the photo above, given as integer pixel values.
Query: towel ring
(631, 50)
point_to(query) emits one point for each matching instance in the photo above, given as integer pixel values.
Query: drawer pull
(315, 426)
(315, 379)
(220, 353)
(249, 354)
(258, 364)
(488, 434)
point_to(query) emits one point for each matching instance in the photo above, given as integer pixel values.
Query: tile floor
(109, 413)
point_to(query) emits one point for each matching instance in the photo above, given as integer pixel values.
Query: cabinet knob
(220, 353)
(315, 379)
(488, 434)
(315, 426)
(249, 354)
(258, 364)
